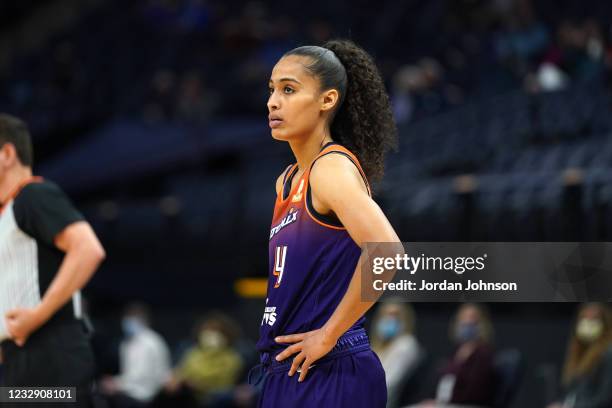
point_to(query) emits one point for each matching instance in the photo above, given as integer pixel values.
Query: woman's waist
(353, 341)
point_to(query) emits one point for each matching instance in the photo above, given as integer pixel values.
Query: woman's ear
(329, 99)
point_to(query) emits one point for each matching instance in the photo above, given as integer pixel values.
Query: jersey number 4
(279, 264)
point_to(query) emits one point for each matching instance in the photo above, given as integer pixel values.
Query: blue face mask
(467, 332)
(131, 326)
(387, 328)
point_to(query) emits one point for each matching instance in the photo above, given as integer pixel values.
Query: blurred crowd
(476, 373)
(210, 368)
(207, 369)
(502, 45)
(194, 60)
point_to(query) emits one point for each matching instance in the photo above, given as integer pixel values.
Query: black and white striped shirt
(29, 259)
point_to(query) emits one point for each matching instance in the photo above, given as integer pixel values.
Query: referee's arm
(83, 255)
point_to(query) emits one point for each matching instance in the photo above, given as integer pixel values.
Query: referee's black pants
(56, 355)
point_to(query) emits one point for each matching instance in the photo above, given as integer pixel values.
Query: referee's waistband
(353, 341)
(45, 331)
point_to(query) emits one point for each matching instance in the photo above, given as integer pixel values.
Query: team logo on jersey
(269, 316)
(290, 218)
(298, 196)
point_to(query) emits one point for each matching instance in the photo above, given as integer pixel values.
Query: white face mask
(589, 330)
(211, 339)
(131, 326)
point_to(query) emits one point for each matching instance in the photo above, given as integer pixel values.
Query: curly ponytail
(363, 121)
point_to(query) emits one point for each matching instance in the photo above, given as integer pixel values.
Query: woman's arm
(337, 186)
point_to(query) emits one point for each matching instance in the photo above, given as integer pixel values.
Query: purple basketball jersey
(312, 260)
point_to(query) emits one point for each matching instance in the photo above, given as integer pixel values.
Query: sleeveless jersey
(312, 260)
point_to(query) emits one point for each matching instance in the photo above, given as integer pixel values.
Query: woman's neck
(305, 151)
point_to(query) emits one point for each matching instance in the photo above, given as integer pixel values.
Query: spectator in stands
(523, 36)
(396, 346)
(587, 375)
(580, 49)
(194, 103)
(469, 377)
(160, 103)
(213, 366)
(144, 361)
(419, 90)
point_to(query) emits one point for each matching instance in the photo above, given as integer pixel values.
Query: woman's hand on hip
(309, 346)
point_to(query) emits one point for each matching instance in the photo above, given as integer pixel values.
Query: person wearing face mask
(469, 377)
(396, 346)
(587, 375)
(212, 366)
(144, 362)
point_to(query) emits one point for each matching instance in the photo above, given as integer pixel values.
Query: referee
(48, 252)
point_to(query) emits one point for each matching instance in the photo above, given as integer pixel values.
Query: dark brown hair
(363, 121)
(15, 132)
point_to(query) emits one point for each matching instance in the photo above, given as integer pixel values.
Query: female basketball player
(329, 103)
